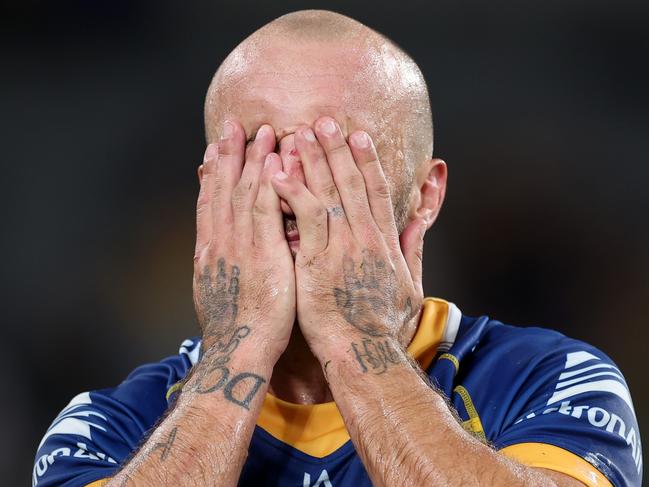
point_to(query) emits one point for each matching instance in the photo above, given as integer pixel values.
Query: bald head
(311, 63)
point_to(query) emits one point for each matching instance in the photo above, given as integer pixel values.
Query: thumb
(412, 247)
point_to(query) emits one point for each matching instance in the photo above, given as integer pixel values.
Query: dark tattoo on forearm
(218, 303)
(239, 389)
(375, 355)
(165, 446)
(222, 349)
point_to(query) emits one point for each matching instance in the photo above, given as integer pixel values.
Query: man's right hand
(244, 283)
(244, 293)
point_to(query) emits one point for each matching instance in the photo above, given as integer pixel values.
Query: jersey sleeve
(571, 412)
(97, 431)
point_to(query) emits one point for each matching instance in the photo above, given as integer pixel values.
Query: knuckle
(258, 152)
(259, 209)
(231, 146)
(329, 190)
(213, 251)
(419, 254)
(380, 189)
(337, 148)
(226, 149)
(353, 180)
(317, 211)
(202, 201)
(219, 186)
(295, 190)
(216, 250)
(239, 196)
(209, 167)
(200, 252)
(202, 213)
(316, 151)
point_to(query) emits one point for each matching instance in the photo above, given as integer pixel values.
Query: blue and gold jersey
(535, 395)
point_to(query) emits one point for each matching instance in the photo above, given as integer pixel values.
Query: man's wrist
(360, 353)
(239, 376)
(256, 340)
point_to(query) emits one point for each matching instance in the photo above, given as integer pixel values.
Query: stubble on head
(312, 63)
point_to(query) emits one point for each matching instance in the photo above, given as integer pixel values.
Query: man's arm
(405, 432)
(204, 440)
(359, 292)
(244, 294)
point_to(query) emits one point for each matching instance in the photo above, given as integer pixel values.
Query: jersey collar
(318, 429)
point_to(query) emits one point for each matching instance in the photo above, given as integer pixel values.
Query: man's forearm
(204, 440)
(403, 430)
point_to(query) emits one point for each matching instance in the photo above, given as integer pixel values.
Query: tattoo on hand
(375, 355)
(221, 337)
(366, 292)
(219, 298)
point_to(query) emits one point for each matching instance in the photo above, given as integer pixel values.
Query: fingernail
(259, 132)
(281, 176)
(328, 127)
(228, 130)
(360, 140)
(268, 160)
(309, 135)
(210, 152)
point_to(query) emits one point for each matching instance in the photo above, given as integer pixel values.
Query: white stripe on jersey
(581, 383)
(450, 330)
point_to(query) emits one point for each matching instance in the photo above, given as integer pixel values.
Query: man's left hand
(357, 279)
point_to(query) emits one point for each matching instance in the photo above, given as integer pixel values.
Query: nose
(291, 165)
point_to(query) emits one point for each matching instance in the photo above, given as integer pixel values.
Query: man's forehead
(288, 86)
(288, 100)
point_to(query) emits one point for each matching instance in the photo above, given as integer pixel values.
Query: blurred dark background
(541, 111)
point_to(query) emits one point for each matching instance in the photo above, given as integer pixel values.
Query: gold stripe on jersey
(541, 455)
(473, 424)
(98, 483)
(452, 358)
(174, 388)
(318, 429)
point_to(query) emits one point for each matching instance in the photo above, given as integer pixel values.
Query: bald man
(320, 362)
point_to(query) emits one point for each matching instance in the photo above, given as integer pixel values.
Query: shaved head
(311, 63)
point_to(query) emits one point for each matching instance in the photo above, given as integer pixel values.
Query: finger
(204, 203)
(346, 175)
(412, 247)
(245, 191)
(268, 222)
(310, 213)
(378, 192)
(228, 172)
(319, 179)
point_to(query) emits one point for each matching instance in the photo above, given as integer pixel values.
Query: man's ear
(430, 180)
(200, 174)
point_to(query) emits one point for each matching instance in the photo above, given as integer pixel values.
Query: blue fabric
(527, 385)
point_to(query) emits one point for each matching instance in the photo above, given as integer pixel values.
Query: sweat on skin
(361, 186)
